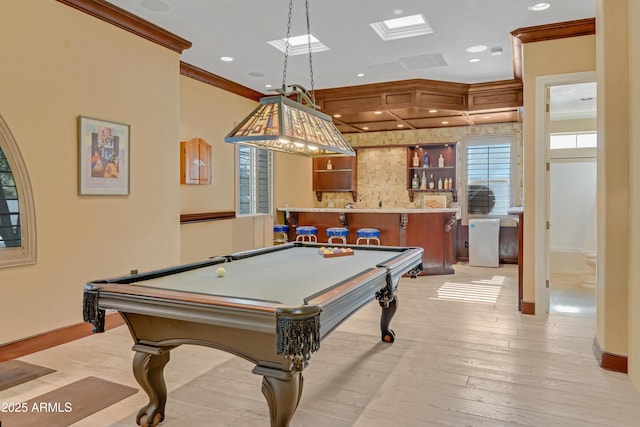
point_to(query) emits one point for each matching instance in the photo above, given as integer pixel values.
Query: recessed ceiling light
(496, 51)
(267, 86)
(337, 116)
(486, 117)
(433, 111)
(377, 112)
(474, 60)
(400, 28)
(477, 48)
(226, 58)
(539, 6)
(360, 75)
(365, 128)
(400, 125)
(445, 123)
(299, 45)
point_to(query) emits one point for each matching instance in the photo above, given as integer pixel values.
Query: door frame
(542, 179)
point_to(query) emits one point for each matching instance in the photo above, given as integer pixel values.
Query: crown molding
(196, 73)
(129, 22)
(539, 33)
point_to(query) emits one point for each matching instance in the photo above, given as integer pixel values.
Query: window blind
(255, 172)
(489, 178)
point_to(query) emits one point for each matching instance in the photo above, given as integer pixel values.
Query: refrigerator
(483, 242)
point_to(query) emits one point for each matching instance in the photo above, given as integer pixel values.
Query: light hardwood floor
(460, 359)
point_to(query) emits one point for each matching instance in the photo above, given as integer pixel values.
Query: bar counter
(434, 230)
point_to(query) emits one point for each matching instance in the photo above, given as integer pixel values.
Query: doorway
(571, 141)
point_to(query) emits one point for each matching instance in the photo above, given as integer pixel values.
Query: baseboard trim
(53, 338)
(528, 307)
(610, 361)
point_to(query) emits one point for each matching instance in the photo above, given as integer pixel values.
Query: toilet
(590, 279)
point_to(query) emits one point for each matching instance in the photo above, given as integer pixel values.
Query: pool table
(272, 306)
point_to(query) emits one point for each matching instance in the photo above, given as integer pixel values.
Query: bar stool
(337, 233)
(280, 233)
(368, 234)
(306, 233)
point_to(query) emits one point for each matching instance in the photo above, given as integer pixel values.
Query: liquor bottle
(414, 181)
(425, 160)
(423, 181)
(432, 184)
(440, 161)
(329, 165)
(416, 160)
(440, 184)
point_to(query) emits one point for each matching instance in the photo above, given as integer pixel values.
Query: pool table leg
(388, 310)
(389, 303)
(282, 391)
(148, 367)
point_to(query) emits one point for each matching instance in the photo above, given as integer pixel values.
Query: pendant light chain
(286, 49)
(313, 92)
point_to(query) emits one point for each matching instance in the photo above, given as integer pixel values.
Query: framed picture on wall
(103, 156)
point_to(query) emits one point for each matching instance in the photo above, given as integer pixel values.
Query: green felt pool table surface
(284, 277)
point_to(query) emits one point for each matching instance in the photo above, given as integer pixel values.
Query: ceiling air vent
(422, 62)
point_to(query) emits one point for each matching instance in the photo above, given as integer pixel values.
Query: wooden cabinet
(335, 174)
(195, 162)
(439, 172)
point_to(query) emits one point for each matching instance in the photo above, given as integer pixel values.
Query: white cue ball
(220, 271)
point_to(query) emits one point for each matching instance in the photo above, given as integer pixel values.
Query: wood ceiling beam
(404, 122)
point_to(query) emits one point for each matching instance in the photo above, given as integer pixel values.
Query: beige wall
(210, 113)
(613, 177)
(59, 63)
(292, 182)
(584, 125)
(633, 17)
(576, 54)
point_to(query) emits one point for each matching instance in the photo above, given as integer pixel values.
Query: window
(254, 180)
(489, 175)
(559, 141)
(10, 226)
(17, 230)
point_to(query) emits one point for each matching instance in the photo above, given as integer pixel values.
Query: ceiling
(241, 29)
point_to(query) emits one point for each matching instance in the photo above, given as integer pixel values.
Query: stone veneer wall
(382, 163)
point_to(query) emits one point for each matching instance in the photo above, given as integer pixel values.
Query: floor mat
(15, 372)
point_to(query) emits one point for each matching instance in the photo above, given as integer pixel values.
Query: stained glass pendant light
(280, 123)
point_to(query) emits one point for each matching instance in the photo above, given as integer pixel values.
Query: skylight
(400, 28)
(299, 45)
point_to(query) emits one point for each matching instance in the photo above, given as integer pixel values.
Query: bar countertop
(374, 210)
